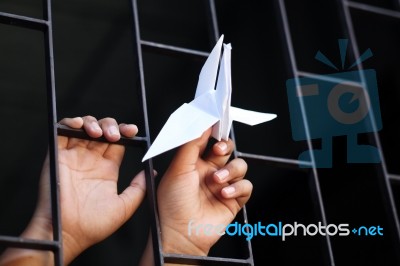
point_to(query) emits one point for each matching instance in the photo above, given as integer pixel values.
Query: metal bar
(63, 130)
(215, 35)
(18, 242)
(170, 49)
(250, 259)
(315, 181)
(150, 184)
(374, 9)
(394, 177)
(329, 79)
(276, 160)
(52, 128)
(202, 260)
(46, 26)
(387, 193)
(23, 21)
(213, 22)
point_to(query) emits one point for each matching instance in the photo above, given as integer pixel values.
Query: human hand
(200, 190)
(91, 208)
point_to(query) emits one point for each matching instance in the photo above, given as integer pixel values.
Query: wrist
(38, 230)
(177, 243)
(173, 242)
(41, 228)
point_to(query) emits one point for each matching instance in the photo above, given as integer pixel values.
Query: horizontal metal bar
(202, 260)
(394, 177)
(373, 9)
(328, 78)
(275, 160)
(23, 21)
(18, 242)
(170, 49)
(63, 130)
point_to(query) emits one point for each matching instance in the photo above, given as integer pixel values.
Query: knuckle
(244, 187)
(109, 120)
(240, 164)
(249, 186)
(231, 144)
(89, 118)
(65, 119)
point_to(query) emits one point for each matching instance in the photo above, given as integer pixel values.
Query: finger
(133, 195)
(112, 152)
(91, 126)
(93, 129)
(110, 129)
(240, 190)
(220, 153)
(233, 171)
(187, 155)
(76, 122)
(128, 130)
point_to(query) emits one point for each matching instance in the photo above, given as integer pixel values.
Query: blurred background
(96, 73)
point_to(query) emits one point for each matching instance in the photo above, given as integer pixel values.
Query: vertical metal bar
(52, 122)
(314, 181)
(150, 184)
(249, 246)
(213, 22)
(215, 34)
(384, 182)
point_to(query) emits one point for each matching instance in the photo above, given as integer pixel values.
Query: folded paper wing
(185, 124)
(210, 107)
(250, 118)
(189, 122)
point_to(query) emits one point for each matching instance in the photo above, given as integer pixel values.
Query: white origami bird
(210, 107)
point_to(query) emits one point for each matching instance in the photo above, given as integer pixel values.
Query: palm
(90, 202)
(89, 175)
(194, 197)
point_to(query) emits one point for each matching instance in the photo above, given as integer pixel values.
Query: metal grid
(45, 26)
(385, 178)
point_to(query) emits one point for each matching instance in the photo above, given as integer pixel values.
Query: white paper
(210, 107)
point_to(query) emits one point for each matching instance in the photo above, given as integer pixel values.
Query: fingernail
(222, 146)
(113, 131)
(95, 126)
(229, 190)
(222, 174)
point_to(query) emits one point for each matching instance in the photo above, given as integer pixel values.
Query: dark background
(96, 73)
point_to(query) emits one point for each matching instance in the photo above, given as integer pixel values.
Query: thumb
(187, 155)
(133, 195)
